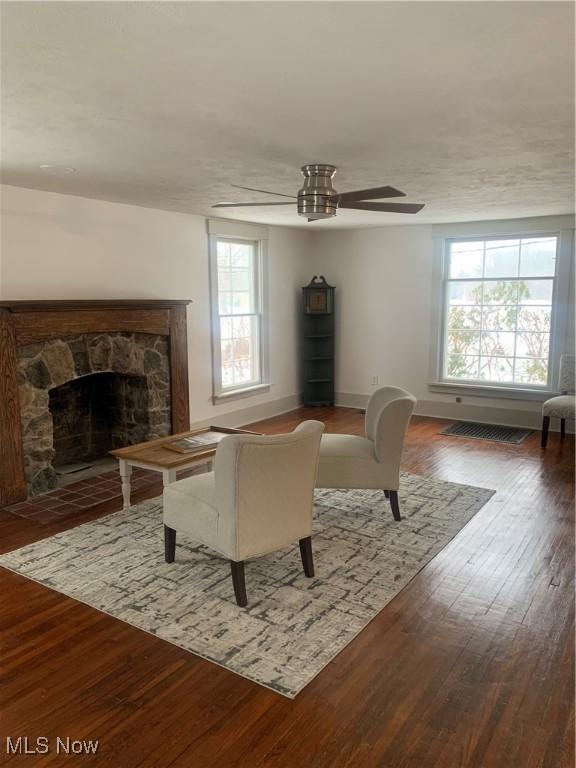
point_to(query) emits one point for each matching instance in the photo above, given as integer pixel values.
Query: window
(236, 274)
(498, 311)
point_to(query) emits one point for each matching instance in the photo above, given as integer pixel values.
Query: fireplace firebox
(96, 413)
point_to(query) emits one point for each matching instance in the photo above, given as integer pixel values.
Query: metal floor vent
(494, 432)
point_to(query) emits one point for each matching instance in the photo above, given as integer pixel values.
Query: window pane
(464, 317)
(465, 342)
(499, 318)
(225, 328)
(241, 255)
(499, 369)
(538, 257)
(223, 252)
(534, 319)
(530, 344)
(502, 258)
(497, 344)
(241, 279)
(461, 366)
(227, 370)
(465, 293)
(466, 259)
(225, 302)
(536, 291)
(241, 303)
(531, 371)
(224, 282)
(501, 292)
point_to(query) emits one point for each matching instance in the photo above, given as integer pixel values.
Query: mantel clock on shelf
(318, 342)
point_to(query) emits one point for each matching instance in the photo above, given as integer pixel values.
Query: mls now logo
(41, 746)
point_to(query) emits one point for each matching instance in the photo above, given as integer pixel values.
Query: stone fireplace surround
(45, 367)
(46, 344)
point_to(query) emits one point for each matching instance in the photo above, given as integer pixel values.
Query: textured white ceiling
(466, 106)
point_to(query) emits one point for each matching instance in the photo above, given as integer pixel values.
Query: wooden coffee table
(155, 456)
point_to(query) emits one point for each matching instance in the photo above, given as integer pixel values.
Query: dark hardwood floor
(470, 665)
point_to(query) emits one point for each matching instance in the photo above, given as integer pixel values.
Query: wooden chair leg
(562, 428)
(395, 505)
(545, 427)
(387, 494)
(239, 582)
(306, 555)
(169, 544)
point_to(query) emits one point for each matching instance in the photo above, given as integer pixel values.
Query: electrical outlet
(374, 380)
(458, 399)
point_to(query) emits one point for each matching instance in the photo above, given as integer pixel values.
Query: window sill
(478, 390)
(239, 394)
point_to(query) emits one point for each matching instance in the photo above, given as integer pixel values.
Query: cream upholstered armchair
(258, 499)
(563, 406)
(349, 461)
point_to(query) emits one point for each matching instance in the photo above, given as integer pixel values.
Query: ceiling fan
(319, 200)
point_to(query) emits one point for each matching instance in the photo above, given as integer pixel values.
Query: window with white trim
(499, 296)
(237, 309)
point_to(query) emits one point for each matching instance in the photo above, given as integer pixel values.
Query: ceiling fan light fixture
(317, 199)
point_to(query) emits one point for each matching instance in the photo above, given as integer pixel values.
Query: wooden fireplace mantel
(29, 322)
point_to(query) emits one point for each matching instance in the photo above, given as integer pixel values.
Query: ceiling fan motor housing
(317, 199)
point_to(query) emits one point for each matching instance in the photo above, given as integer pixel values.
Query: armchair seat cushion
(348, 461)
(349, 446)
(562, 407)
(190, 507)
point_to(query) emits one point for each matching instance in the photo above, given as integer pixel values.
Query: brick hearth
(86, 494)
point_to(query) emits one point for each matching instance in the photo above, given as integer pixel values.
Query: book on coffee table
(202, 442)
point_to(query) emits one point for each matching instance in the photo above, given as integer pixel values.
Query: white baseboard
(509, 417)
(349, 400)
(438, 409)
(251, 414)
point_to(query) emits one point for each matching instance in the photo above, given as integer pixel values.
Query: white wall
(57, 247)
(381, 321)
(384, 296)
(63, 247)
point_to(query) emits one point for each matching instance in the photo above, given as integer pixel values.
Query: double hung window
(499, 296)
(237, 309)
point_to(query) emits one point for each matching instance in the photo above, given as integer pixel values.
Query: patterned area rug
(293, 626)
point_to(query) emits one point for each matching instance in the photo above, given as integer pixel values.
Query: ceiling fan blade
(372, 194)
(385, 207)
(264, 191)
(242, 205)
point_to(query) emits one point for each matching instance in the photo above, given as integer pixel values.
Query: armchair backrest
(387, 416)
(566, 382)
(265, 488)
